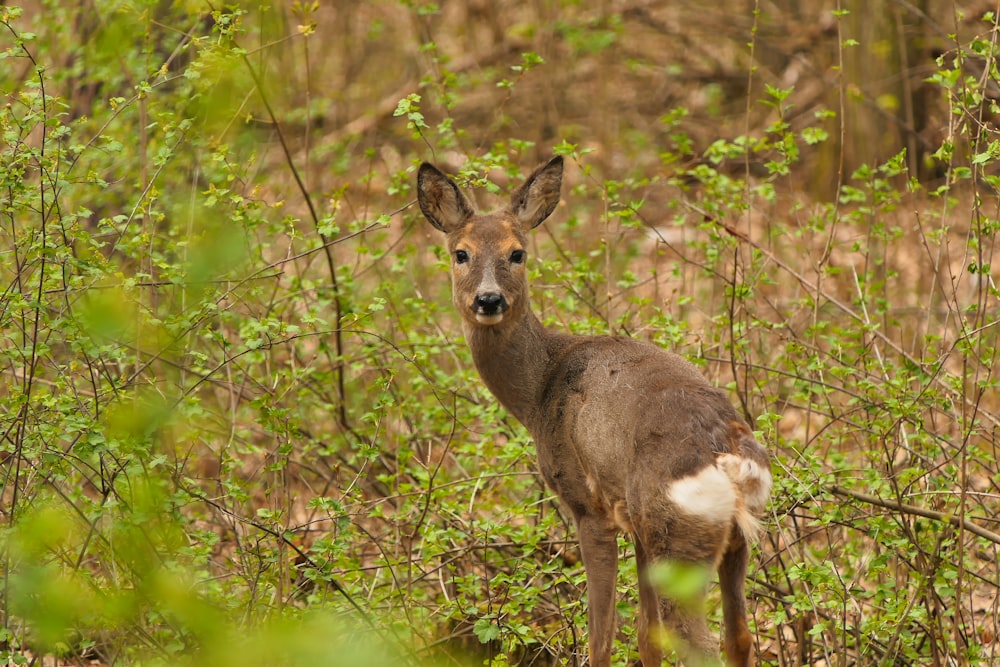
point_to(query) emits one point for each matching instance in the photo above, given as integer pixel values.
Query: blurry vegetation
(239, 425)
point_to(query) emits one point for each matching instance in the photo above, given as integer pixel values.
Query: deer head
(490, 284)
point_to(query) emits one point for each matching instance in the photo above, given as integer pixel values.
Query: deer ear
(538, 197)
(442, 203)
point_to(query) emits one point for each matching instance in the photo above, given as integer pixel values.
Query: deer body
(630, 437)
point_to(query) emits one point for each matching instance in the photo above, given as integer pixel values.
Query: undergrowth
(239, 424)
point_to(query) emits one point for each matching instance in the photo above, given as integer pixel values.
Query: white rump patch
(709, 493)
(752, 480)
(753, 483)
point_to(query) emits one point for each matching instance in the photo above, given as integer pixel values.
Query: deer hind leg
(688, 523)
(676, 624)
(599, 548)
(732, 576)
(694, 644)
(663, 622)
(649, 624)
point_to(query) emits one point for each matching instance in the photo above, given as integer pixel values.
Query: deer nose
(489, 303)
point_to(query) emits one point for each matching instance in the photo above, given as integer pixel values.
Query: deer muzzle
(489, 307)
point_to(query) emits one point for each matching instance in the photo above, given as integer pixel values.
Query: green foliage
(239, 425)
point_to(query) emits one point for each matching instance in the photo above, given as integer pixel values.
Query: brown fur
(617, 423)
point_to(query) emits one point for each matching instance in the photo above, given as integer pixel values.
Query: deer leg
(599, 547)
(732, 576)
(681, 623)
(650, 652)
(683, 626)
(697, 647)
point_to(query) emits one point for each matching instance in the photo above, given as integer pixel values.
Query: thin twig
(959, 521)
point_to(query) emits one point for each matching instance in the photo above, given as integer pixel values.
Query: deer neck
(513, 361)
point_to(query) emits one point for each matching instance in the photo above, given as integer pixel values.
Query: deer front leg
(599, 547)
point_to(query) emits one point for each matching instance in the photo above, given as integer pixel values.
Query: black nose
(489, 303)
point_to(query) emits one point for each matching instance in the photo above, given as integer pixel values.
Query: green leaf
(486, 629)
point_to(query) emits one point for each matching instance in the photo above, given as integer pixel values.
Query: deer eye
(517, 257)
(461, 257)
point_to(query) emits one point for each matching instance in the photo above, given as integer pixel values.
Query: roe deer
(630, 437)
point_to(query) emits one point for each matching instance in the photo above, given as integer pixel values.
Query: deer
(629, 436)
